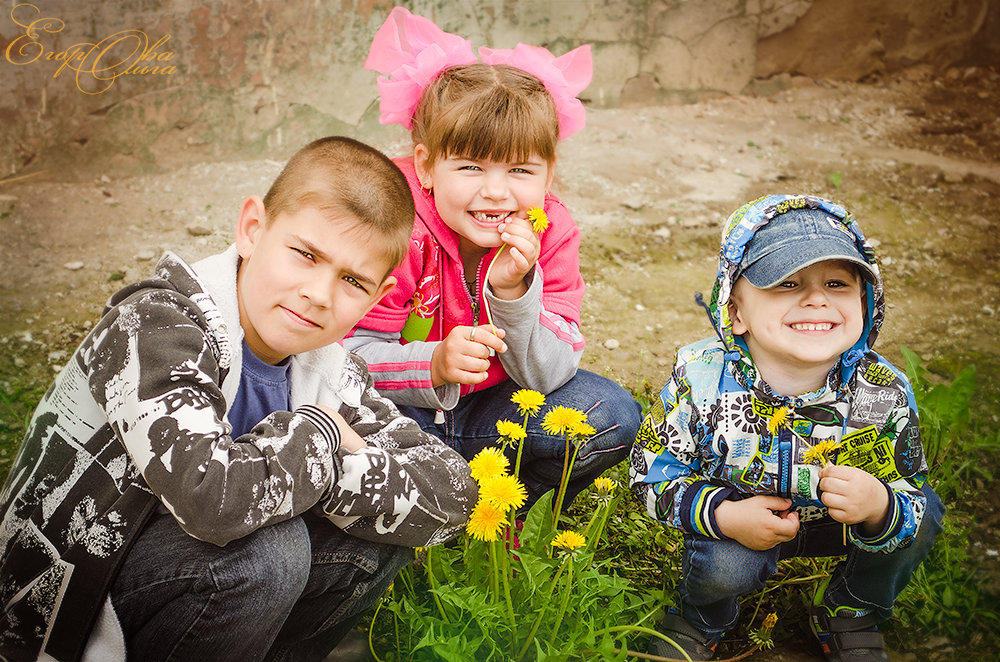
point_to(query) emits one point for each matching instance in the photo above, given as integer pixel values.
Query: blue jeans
(611, 410)
(716, 573)
(289, 591)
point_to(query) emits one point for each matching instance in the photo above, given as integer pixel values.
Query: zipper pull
(439, 417)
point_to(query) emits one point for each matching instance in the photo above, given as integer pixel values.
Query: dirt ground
(916, 157)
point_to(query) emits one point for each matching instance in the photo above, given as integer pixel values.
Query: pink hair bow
(564, 77)
(411, 51)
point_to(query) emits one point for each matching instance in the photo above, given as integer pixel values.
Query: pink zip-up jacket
(399, 335)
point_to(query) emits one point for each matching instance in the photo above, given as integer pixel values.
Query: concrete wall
(233, 79)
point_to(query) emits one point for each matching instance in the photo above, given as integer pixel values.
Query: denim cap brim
(795, 240)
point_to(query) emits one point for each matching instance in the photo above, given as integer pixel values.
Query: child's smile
(474, 196)
(802, 325)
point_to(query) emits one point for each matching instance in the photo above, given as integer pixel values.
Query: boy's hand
(854, 496)
(760, 522)
(349, 439)
(511, 265)
(463, 357)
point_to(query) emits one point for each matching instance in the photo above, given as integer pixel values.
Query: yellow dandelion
(770, 621)
(528, 401)
(504, 492)
(604, 485)
(485, 522)
(820, 453)
(487, 463)
(582, 430)
(777, 420)
(568, 540)
(539, 219)
(511, 430)
(561, 419)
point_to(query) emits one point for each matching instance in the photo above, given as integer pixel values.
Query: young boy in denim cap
(788, 436)
(213, 477)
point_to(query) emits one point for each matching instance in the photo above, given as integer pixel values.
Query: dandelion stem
(433, 583)
(486, 282)
(563, 482)
(643, 630)
(564, 603)
(541, 612)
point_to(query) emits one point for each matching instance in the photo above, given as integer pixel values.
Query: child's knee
(718, 569)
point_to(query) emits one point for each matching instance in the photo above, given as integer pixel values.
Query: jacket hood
(741, 227)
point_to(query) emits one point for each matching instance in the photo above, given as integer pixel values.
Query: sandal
(847, 638)
(685, 635)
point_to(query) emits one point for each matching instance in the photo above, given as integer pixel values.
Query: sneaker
(685, 635)
(847, 635)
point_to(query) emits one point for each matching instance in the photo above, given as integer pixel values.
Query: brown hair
(486, 112)
(343, 175)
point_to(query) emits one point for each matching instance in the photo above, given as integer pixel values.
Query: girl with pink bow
(487, 301)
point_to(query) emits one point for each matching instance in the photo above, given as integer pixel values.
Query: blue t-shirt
(264, 389)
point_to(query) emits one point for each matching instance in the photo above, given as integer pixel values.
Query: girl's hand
(463, 357)
(512, 264)
(854, 496)
(760, 522)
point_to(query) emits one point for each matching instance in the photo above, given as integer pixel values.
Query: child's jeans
(289, 591)
(716, 573)
(611, 410)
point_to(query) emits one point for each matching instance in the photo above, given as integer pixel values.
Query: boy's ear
(420, 157)
(251, 221)
(739, 326)
(381, 291)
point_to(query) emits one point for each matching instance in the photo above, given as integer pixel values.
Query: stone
(611, 344)
(73, 266)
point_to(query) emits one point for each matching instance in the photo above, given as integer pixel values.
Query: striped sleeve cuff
(893, 523)
(327, 427)
(697, 508)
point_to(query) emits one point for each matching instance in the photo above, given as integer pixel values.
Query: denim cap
(795, 240)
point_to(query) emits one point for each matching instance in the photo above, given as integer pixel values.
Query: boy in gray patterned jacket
(212, 476)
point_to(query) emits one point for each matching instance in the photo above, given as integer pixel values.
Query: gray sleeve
(402, 373)
(543, 349)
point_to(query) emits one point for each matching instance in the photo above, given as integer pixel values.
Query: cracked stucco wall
(253, 80)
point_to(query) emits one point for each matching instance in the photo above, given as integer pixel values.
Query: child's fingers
(483, 337)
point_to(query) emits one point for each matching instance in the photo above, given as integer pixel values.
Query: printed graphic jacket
(137, 421)
(707, 438)
(399, 335)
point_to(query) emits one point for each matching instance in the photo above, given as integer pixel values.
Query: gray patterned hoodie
(137, 421)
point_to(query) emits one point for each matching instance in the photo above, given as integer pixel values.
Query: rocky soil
(915, 156)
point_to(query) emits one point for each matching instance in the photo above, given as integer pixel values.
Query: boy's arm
(155, 371)
(544, 343)
(901, 467)
(666, 461)
(406, 487)
(402, 373)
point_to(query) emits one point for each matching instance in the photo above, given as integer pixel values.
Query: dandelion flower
(485, 522)
(528, 401)
(511, 430)
(770, 621)
(539, 219)
(487, 463)
(819, 453)
(777, 420)
(568, 540)
(582, 430)
(604, 485)
(561, 419)
(504, 492)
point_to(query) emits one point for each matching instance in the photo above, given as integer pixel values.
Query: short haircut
(337, 174)
(487, 112)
